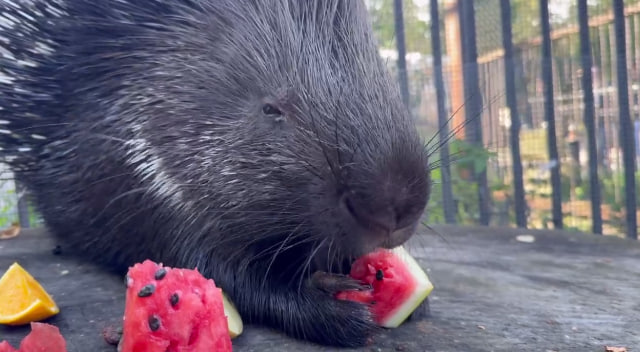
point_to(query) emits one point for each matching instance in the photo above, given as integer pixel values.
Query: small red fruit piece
(6, 347)
(42, 338)
(399, 285)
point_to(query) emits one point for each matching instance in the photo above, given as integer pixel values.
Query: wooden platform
(563, 292)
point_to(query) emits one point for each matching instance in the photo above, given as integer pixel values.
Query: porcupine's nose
(381, 201)
(383, 215)
(376, 219)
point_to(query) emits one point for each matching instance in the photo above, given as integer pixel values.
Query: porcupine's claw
(334, 283)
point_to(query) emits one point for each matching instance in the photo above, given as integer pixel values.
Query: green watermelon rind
(423, 288)
(234, 320)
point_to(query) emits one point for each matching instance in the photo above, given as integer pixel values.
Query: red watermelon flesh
(6, 347)
(42, 338)
(399, 285)
(173, 310)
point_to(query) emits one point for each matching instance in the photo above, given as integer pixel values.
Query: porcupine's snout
(384, 208)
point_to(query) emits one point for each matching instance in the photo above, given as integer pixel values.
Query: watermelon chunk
(42, 338)
(399, 285)
(173, 310)
(6, 347)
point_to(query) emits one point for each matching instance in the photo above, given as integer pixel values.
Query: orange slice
(23, 299)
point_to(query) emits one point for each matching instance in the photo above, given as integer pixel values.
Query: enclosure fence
(544, 127)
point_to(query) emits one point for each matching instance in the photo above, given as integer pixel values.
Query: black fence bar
(512, 103)
(627, 137)
(589, 116)
(473, 97)
(443, 132)
(549, 113)
(402, 51)
(23, 208)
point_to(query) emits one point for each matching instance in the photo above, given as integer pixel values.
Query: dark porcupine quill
(261, 141)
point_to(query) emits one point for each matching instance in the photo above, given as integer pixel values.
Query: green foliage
(465, 193)
(6, 216)
(8, 210)
(525, 20)
(416, 25)
(469, 156)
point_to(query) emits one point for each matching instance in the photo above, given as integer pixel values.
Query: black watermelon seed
(147, 290)
(160, 274)
(379, 275)
(174, 299)
(154, 323)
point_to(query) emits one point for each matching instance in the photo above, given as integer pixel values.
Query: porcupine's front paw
(334, 283)
(337, 322)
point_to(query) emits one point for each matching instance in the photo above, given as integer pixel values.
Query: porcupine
(263, 142)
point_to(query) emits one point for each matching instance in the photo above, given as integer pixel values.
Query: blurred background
(536, 142)
(530, 109)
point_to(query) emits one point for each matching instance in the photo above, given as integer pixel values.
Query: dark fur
(260, 200)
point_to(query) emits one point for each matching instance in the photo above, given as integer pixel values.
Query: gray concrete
(563, 292)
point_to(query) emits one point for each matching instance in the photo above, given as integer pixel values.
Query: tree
(416, 24)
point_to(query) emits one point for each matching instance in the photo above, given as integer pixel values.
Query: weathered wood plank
(564, 292)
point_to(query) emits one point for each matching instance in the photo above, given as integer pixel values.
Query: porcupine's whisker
(305, 268)
(293, 235)
(296, 239)
(452, 134)
(258, 234)
(329, 253)
(438, 233)
(464, 123)
(460, 154)
(275, 255)
(455, 130)
(314, 129)
(446, 123)
(457, 156)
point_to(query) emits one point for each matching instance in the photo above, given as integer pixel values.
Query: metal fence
(532, 114)
(545, 117)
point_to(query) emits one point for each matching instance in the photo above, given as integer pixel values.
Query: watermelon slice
(399, 285)
(6, 347)
(42, 338)
(172, 310)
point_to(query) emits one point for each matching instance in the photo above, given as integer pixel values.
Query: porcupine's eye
(271, 111)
